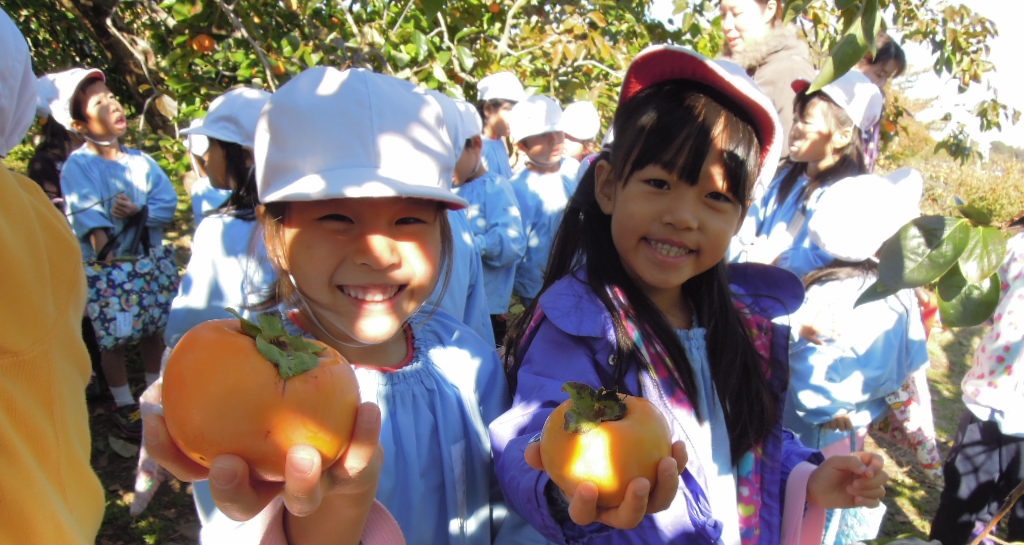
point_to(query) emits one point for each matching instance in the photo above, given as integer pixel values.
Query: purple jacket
(575, 342)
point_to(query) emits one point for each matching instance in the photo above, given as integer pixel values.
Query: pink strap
(802, 523)
(381, 528)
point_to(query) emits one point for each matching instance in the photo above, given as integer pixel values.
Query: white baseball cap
(537, 114)
(855, 94)
(660, 63)
(17, 86)
(197, 144)
(462, 119)
(68, 82)
(501, 85)
(581, 121)
(46, 90)
(232, 117)
(854, 216)
(329, 134)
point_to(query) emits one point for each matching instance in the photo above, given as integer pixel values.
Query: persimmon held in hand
(605, 438)
(235, 387)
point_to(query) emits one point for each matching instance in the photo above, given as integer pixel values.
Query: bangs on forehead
(675, 125)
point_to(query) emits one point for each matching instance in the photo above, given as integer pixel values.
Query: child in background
(987, 459)
(887, 62)
(354, 183)
(849, 359)
(637, 298)
(542, 187)
(222, 272)
(581, 123)
(461, 291)
(497, 94)
(494, 219)
(205, 197)
(824, 147)
(105, 183)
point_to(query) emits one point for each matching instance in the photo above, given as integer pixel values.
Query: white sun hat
(660, 63)
(68, 82)
(854, 216)
(855, 94)
(232, 117)
(537, 114)
(581, 121)
(197, 144)
(17, 86)
(501, 85)
(330, 133)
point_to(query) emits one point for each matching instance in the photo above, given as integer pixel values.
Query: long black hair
(244, 199)
(672, 125)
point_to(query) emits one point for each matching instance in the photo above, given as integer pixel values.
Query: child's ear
(78, 126)
(604, 186)
(842, 137)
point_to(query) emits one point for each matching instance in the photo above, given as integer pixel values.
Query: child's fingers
(365, 438)
(633, 508)
(162, 448)
(302, 493)
(666, 486)
(680, 454)
(239, 497)
(583, 505)
(532, 455)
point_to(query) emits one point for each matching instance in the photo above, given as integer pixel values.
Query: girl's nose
(378, 252)
(681, 212)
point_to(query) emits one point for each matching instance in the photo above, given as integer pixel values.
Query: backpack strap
(802, 523)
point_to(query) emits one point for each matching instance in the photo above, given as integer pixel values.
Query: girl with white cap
(105, 184)
(497, 94)
(825, 145)
(228, 267)
(849, 360)
(354, 174)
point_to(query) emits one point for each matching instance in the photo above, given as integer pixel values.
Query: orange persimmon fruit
(203, 43)
(605, 438)
(237, 387)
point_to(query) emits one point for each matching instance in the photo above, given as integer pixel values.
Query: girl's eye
(721, 197)
(410, 220)
(335, 217)
(657, 183)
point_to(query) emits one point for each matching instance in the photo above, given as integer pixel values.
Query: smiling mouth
(371, 294)
(669, 250)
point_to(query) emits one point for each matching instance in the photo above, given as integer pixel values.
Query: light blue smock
(868, 353)
(90, 183)
(461, 292)
(775, 231)
(206, 198)
(229, 267)
(542, 199)
(496, 158)
(497, 229)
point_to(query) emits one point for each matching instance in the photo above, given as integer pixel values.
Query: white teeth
(372, 295)
(669, 250)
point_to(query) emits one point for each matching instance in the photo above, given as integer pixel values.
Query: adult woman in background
(772, 52)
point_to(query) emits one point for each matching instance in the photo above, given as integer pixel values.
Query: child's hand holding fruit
(610, 455)
(213, 393)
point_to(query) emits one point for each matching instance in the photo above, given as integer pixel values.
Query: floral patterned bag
(130, 298)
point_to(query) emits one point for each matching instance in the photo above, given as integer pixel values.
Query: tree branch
(240, 27)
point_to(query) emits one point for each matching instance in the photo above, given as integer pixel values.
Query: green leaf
(248, 327)
(963, 304)
(983, 255)
(976, 214)
(272, 326)
(875, 292)
(591, 406)
(846, 53)
(922, 251)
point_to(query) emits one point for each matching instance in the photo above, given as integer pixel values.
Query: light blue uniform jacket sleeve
(542, 199)
(494, 220)
(461, 292)
(868, 353)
